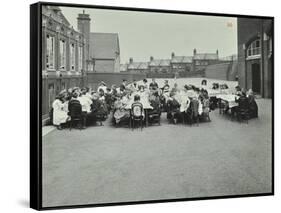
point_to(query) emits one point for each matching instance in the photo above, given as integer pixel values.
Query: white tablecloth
(145, 104)
(230, 99)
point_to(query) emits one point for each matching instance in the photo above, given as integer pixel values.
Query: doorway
(256, 78)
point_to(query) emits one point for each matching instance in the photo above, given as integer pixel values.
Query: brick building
(62, 46)
(177, 64)
(159, 65)
(255, 55)
(68, 55)
(137, 67)
(181, 63)
(63, 56)
(102, 52)
(202, 60)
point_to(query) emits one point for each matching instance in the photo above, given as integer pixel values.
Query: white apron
(59, 115)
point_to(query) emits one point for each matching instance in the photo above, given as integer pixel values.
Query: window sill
(253, 57)
(50, 70)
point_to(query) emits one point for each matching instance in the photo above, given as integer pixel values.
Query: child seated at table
(120, 114)
(136, 110)
(173, 109)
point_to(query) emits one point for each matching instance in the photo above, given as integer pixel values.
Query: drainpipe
(262, 60)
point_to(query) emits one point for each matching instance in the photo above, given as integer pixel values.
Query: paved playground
(107, 164)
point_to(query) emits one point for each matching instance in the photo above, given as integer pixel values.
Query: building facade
(202, 60)
(104, 53)
(68, 55)
(63, 63)
(255, 55)
(181, 64)
(177, 65)
(159, 65)
(135, 67)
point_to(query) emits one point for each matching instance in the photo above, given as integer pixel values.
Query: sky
(145, 34)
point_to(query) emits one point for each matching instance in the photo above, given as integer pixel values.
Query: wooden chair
(154, 114)
(75, 112)
(137, 113)
(243, 109)
(192, 112)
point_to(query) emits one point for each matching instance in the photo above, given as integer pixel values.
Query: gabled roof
(138, 65)
(182, 59)
(104, 45)
(56, 13)
(160, 62)
(206, 56)
(143, 65)
(133, 65)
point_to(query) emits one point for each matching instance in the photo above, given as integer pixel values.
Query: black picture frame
(36, 104)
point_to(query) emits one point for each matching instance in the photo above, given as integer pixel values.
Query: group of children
(187, 103)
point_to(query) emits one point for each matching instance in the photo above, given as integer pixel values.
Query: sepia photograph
(142, 105)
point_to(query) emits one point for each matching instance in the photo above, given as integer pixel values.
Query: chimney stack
(217, 52)
(151, 58)
(194, 52)
(84, 27)
(131, 60)
(173, 55)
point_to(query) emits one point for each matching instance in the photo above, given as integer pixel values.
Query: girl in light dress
(59, 113)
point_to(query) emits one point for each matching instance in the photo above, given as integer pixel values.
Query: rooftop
(104, 45)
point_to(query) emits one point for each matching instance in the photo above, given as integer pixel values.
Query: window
(50, 52)
(80, 58)
(63, 86)
(51, 94)
(90, 66)
(254, 49)
(164, 70)
(197, 62)
(270, 46)
(62, 54)
(72, 57)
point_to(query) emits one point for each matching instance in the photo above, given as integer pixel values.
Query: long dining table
(228, 100)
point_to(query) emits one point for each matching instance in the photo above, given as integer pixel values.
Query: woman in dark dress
(253, 107)
(173, 110)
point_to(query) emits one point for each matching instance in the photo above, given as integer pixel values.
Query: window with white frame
(72, 57)
(50, 52)
(80, 58)
(90, 66)
(254, 49)
(62, 45)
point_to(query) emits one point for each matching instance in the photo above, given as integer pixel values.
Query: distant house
(181, 63)
(159, 65)
(104, 52)
(137, 67)
(202, 60)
